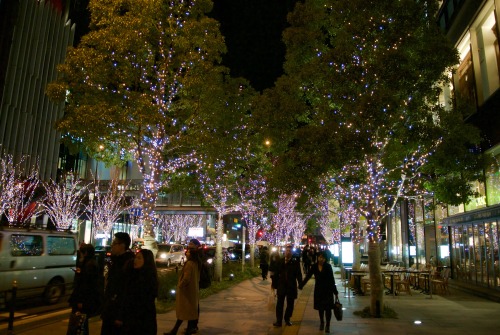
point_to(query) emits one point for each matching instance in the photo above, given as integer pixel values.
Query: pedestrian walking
(86, 296)
(264, 262)
(306, 259)
(188, 293)
(195, 244)
(117, 277)
(289, 275)
(140, 294)
(274, 260)
(324, 289)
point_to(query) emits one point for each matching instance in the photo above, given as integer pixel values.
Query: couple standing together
(288, 276)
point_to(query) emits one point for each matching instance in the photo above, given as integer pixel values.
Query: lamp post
(91, 198)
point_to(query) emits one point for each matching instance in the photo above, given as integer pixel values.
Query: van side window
(26, 245)
(59, 245)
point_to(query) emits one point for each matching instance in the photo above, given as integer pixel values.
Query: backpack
(205, 277)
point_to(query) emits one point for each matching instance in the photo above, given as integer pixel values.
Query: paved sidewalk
(246, 309)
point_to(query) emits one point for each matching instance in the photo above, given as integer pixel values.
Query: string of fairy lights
(175, 226)
(62, 201)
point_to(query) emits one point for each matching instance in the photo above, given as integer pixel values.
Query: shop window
(493, 180)
(466, 86)
(480, 200)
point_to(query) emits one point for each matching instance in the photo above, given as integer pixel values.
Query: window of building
(493, 178)
(488, 54)
(480, 200)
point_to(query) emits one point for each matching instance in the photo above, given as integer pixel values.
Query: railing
(11, 296)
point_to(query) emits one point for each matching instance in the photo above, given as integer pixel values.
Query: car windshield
(164, 248)
(210, 252)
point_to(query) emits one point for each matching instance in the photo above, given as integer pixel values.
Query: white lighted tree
(176, 226)
(18, 192)
(252, 192)
(133, 82)
(63, 200)
(217, 186)
(284, 220)
(106, 206)
(8, 181)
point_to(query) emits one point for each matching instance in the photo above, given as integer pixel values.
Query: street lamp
(91, 198)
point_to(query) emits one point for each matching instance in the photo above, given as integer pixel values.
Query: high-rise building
(34, 37)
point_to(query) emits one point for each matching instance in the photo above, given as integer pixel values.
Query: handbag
(271, 301)
(337, 310)
(76, 324)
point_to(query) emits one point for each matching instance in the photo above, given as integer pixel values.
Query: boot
(321, 325)
(327, 328)
(175, 329)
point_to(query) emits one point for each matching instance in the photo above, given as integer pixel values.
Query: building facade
(464, 238)
(34, 38)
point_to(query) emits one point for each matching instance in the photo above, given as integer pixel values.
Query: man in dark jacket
(122, 260)
(289, 276)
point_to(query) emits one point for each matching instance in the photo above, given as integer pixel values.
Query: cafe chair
(441, 284)
(403, 284)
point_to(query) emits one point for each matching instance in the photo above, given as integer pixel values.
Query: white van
(40, 262)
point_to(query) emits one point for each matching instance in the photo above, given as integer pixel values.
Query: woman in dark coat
(86, 296)
(324, 290)
(141, 292)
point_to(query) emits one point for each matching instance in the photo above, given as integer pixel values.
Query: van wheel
(53, 292)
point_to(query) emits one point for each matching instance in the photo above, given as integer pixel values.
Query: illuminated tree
(252, 192)
(8, 181)
(287, 224)
(18, 191)
(218, 183)
(63, 200)
(106, 206)
(360, 101)
(127, 83)
(176, 226)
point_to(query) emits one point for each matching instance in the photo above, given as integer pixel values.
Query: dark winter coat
(87, 288)
(139, 305)
(288, 277)
(324, 288)
(117, 279)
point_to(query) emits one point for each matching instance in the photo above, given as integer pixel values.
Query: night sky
(252, 31)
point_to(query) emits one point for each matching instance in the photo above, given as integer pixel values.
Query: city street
(245, 309)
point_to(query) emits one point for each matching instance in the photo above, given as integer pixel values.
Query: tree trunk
(219, 229)
(356, 265)
(252, 254)
(376, 282)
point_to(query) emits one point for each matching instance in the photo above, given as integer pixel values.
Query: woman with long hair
(324, 289)
(188, 293)
(141, 292)
(86, 296)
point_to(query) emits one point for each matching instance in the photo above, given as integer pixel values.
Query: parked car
(137, 245)
(41, 262)
(209, 255)
(169, 254)
(236, 252)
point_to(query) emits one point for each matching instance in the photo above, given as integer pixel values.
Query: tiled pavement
(247, 309)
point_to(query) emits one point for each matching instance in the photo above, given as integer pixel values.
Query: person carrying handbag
(324, 290)
(85, 300)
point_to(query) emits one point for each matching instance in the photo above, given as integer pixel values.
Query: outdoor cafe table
(393, 273)
(427, 282)
(357, 280)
